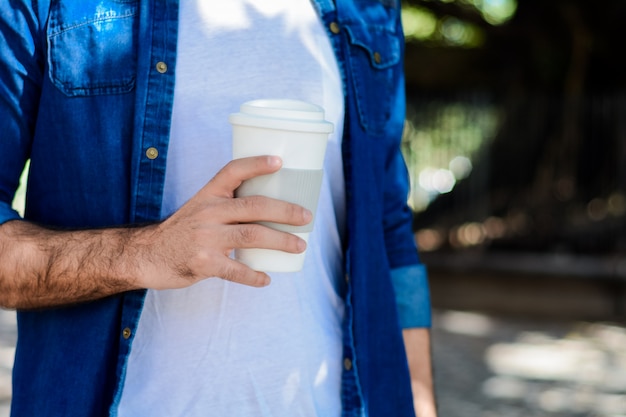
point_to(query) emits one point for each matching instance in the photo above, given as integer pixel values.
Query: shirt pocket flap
(374, 65)
(382, 46)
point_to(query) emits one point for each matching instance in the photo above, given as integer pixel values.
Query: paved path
(489, 366)
(8, 337)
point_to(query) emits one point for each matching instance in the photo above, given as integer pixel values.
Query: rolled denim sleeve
(7, 213)
(408, 274)
(412, 295)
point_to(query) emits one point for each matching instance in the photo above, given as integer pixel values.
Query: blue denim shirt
(84, 94)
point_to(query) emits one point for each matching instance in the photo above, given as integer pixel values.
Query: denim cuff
(412, 296)
(7, 213)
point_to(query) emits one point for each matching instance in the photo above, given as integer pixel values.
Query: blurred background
(516, 145)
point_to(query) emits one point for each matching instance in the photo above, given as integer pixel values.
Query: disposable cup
(297, 132)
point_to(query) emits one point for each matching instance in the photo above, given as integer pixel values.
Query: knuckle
(246, 234)
(230, 166)
(290, 243)
(225, 171)
(295, 212)
(238, 273)
(252, 204)
(228, 273)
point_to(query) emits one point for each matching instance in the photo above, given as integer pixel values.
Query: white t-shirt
(224, 349)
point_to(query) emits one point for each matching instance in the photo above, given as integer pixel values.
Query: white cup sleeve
(298, 186)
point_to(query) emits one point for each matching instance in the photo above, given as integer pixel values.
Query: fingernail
(274, 161)
(266, 281)
(308, 216)
(301, 246)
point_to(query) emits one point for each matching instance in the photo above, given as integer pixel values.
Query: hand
(196, 242)
(41, 267)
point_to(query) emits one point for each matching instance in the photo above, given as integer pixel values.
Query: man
(121, 106)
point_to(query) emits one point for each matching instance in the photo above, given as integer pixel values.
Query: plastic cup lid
(282, 114)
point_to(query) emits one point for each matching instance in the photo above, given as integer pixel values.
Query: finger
(235, 172)
(237, 272)
(262, 237)
(260, 208)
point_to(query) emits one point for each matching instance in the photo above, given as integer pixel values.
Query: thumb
(236, 171)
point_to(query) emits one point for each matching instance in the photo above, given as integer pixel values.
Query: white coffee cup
(297, 132)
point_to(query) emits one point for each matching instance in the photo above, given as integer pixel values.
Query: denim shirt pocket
(92, 46)
(374, 60)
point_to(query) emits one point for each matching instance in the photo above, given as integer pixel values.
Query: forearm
(43, 268)
(417, 345)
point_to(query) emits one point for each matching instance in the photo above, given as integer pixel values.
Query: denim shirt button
(161, 67)
(152, 153)
(377, 57)
(126, 333)
(334, 28)
(347, 364)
